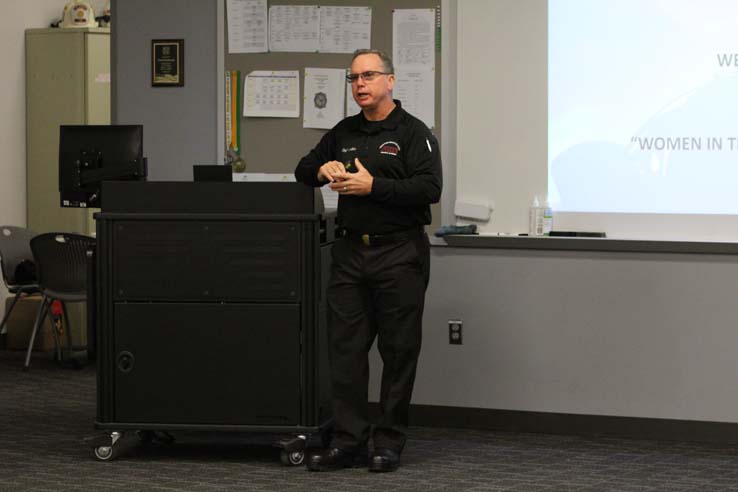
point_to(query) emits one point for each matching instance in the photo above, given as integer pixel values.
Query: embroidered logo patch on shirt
(391, 148)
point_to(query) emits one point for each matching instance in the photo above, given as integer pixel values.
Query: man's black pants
(375, 291)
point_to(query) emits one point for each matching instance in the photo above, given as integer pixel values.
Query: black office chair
(61, 266)
(15, 253)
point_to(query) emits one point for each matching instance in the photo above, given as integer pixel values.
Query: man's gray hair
(386, 60)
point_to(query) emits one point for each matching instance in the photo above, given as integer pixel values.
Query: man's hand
(358, 183)
(331, 171)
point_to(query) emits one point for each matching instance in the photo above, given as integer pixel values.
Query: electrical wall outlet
(454, 332)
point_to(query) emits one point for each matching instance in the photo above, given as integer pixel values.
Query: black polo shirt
(400, 153)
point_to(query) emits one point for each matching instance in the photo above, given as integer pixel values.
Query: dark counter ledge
(591, 244)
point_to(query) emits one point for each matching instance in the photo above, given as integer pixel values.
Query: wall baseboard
(571, 424)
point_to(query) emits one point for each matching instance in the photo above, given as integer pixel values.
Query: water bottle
(547, 218)
(535, 219)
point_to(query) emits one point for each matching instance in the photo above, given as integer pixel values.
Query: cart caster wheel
(294, 458)
(104, 453)
(103, 447)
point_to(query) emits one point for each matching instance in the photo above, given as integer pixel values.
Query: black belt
(380, 239)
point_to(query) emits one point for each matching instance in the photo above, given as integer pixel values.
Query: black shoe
(384, 460)
(335, 459)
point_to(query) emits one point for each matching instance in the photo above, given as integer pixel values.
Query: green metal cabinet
(67, 83)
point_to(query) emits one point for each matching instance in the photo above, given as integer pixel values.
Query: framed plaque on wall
(167, 62)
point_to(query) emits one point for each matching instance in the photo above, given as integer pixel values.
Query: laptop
(217, 172)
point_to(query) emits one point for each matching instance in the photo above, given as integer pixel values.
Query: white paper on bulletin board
(324, 97)
(414, 38)
(345, 29)
(273, 94)
(416, 89)
(247, 26)
(294, 28)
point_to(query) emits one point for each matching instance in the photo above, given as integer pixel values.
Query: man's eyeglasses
(367, 76)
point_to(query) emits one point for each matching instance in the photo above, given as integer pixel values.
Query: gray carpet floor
(46, 413)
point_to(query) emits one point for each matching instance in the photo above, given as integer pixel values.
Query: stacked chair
(61, 265)
(16, 260)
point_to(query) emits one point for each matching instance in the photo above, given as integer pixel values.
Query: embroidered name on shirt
(390, 148)
(350, 149)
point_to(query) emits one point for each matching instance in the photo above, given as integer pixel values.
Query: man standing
(385, 165)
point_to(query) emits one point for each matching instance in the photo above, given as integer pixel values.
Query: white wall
(502, 86)
(20, 15)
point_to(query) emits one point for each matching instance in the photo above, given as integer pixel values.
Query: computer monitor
(91, 154)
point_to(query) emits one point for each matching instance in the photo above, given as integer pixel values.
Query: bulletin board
(275, 145)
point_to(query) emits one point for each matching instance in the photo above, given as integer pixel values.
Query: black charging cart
(209, 311)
